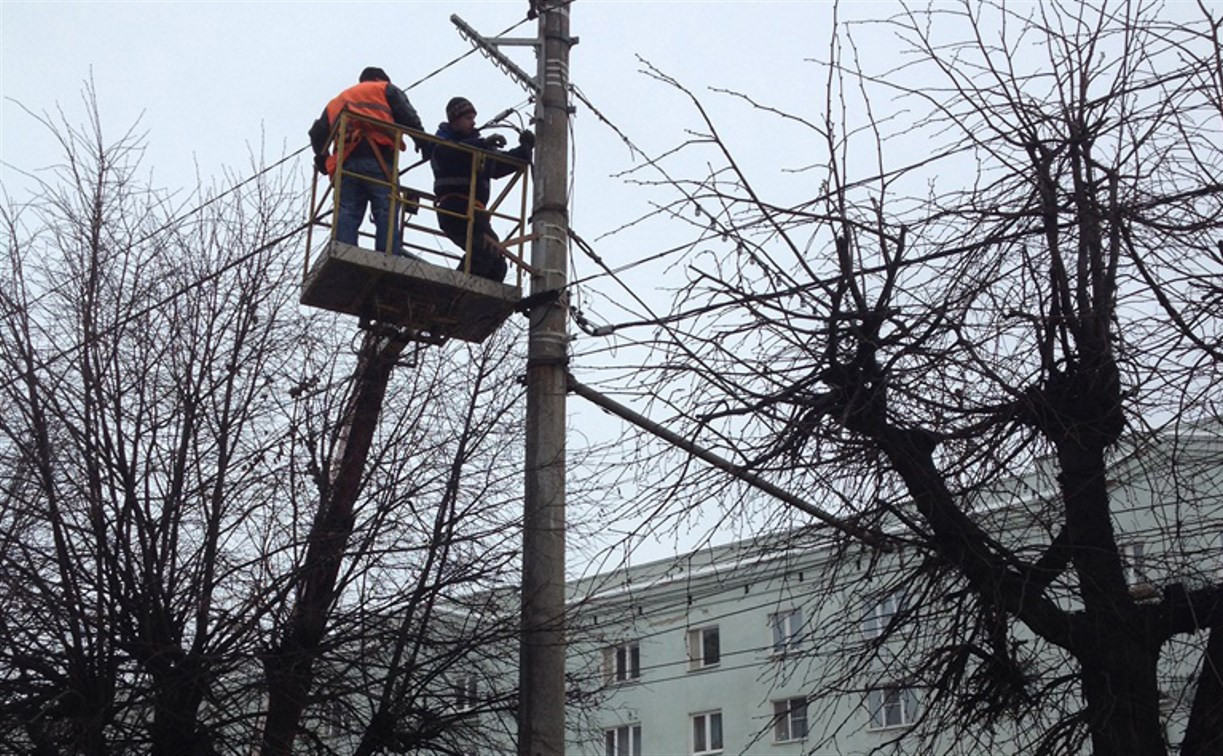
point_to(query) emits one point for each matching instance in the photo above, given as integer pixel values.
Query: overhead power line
(141, 312)
(849, 527)
(467, 54)
(178, 219)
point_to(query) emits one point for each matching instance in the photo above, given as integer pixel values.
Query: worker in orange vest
(368, 151)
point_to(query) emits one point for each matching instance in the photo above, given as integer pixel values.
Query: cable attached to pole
(873, 538)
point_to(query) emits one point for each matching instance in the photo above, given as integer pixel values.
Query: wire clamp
(528, 303)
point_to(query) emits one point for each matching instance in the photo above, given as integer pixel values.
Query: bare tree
(1032, 283)
(202, 550)
(139, 434)
(414, 584)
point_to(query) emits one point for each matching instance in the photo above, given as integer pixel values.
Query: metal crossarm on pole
(488, 47)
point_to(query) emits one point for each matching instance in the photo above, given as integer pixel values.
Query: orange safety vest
(366, 99)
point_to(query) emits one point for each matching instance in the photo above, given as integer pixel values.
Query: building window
(789, 719)
(891, 706)
(704, 647)
(707, 732)
(622, 662)
(623, 741)
(1134, 563)
(879, 616)
(465, 693)
(787, 630)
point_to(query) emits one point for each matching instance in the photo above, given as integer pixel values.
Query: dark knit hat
(373, 73)
(458, 106)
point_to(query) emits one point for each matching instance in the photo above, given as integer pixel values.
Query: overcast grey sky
(209, 82)
(207, 79)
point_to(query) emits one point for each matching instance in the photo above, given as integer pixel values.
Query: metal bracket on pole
(489, 47)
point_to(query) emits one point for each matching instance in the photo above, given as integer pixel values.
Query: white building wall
(738, 599)
(737, 587)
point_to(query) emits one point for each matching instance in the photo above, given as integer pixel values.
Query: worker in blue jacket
(452, 185)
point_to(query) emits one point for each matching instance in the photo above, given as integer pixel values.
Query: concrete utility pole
(541, 707)
(541, 676)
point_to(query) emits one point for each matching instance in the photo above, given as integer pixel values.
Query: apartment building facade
(793, 643)
(714, 653)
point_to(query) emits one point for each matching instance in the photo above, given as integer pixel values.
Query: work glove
(425, 148)
(320, 164)
(526, 138)
(496, 141)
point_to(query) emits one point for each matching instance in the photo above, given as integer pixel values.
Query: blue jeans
(355, 193)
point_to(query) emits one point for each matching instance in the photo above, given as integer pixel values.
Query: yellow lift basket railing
(407, 200)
